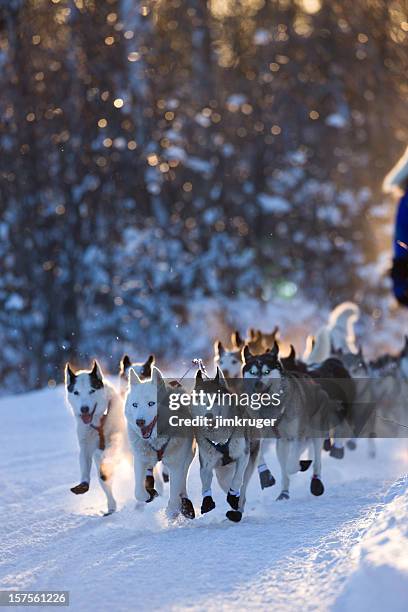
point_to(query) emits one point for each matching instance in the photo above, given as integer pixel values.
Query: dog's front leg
(85, 464)
(265, 476)
(282, 450)
(105, 478)
(206, 476)
(140, 468)
(316, 486)
(176, 487)
(254, 446)
(241, 463)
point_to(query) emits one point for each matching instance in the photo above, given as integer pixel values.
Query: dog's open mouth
(147, 430)
(88, 416)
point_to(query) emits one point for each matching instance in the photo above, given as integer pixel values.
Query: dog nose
(140, 422)
(210, 415)
(84, 409)
(258, 386)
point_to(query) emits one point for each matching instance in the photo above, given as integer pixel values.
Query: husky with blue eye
(144, 370)
(302, 404)
(223, 449)
(230, 364)
(142, 404)
(98, 413)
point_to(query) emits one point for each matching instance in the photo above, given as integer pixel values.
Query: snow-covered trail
(286, 555)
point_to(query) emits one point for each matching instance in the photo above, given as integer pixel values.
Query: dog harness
(99, 428)
(223, 448)
(160, 452)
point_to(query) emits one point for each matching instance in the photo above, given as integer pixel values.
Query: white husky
(338, 334)
(141, 410)
(98, 412)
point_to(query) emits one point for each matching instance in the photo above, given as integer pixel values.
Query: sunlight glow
(311, 6)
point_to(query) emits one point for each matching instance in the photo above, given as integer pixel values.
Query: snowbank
(380, 581)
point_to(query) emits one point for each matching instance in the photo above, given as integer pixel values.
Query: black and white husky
(98, 413)
(299, 405)
(230, 362)
(141, 410)
(220, 447)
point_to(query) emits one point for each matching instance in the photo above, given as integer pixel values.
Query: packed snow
(309, 553)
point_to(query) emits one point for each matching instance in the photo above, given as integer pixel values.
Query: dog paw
(109, 512)
(305, 464)
(327, 444)
(187, 508)
(234, 515)
(336, 452)
(153, 493)
(266, 479)
(149, 488)
(316, 486)
(233, 500)
(207, 505)
(351, 444)
(283, 495)
(83, 487)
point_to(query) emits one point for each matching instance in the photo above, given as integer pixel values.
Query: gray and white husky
(230, 362)
(98, 413)
(141, 410)
(301, 405)
(224, 450)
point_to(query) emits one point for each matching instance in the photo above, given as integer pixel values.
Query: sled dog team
(108, 421)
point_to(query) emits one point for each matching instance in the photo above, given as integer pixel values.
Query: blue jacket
(401, 228)
(399, 271)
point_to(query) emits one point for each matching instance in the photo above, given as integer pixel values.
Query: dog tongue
(87, 418)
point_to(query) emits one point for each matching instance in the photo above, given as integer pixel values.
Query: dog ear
(147, 366)
(219, 376)
(70, 376)
(96, 371)
(199, 375)
(251, 333)
(360, 351)
(236, 339)
(125, 364)
(246, 354)
(275, 349)
(219, 350)
(133, 377)
(157, 377)
(96, 375)
(292, 354)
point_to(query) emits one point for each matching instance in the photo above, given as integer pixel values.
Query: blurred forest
(161, 153)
